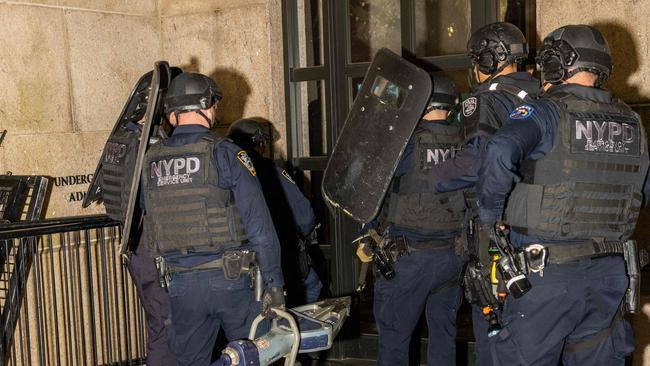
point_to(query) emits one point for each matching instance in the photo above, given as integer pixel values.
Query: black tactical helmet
(248, 133)
(444, 94)
(576, 48)
(496, 43)
(191, 92)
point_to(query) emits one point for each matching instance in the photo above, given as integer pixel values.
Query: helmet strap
(210, 121)
(496, 72)
(597, 84)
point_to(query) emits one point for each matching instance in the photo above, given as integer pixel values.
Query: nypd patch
(246, 162)
(469, 106)
(287, 176)
(521, 112)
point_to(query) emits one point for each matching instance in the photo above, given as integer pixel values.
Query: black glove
(273, 298)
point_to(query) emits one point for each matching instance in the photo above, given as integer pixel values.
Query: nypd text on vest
(613, 137)
(175, 170)
(438, 156)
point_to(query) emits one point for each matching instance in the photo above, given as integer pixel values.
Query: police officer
(208, 223)
(583, 158)
(115, 179)
(420, 229)
(496, 51)
(291, 211)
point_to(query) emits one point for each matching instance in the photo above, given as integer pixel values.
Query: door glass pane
(310, 32)
(311, 131)
(460, 79)
(442, 27)
(373, 24)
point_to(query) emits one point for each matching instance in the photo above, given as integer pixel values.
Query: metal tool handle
(295, 347)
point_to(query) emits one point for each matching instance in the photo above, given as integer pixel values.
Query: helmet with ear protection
(571, 49)
(497, 43)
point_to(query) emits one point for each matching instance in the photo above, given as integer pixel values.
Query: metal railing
(65, 297)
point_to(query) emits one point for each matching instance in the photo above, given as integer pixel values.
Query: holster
(478, 289)
(635, 260)
(237, 262)
(395, 247)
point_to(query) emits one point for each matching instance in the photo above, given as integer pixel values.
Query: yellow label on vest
(247, 162)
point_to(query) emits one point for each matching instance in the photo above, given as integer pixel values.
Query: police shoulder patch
(521, 112)
(246, 161)
(287, 176)
(469, 106)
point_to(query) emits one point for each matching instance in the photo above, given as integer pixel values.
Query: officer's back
(578, 160)
(209, 225)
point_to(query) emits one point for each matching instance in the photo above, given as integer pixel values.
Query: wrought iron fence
(65, 297)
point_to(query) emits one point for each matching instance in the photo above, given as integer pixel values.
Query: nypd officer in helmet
(421, 228)
(208, 223)
(496, 51)
(578, 159)
(291, 211)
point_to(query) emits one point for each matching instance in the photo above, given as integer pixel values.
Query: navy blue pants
(423, 282)
(155, 301)
(481, 345)
(202, 302)
(570, 304)
(313, 285)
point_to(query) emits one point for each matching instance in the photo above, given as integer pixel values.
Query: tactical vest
(589, 186)
(410, 204)
(474, 120)
(186, 210)
(118, 163)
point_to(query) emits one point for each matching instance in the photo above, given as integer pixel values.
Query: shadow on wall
(626, 61)
(235, 89)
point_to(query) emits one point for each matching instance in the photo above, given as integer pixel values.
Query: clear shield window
(388, 92)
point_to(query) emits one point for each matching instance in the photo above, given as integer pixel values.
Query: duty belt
(399, 245)
(217, 263)
(563, 253)
(536, 256)
(233, 262)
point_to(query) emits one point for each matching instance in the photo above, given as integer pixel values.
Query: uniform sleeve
(520, 138)
(236, 173)
(460, 172)
(301, 209)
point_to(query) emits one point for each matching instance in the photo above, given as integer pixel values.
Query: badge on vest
(175, 170)
(286, 175)
(246, 162)
(521, 112)
(469, 106)
(594, 135)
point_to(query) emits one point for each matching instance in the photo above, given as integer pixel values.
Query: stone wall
(69, 66)
(625, 25)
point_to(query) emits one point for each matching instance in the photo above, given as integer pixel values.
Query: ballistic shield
(383, 116)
